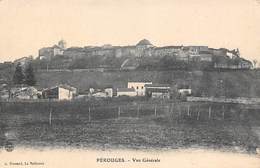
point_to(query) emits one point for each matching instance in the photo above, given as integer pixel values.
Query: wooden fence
(21, 113)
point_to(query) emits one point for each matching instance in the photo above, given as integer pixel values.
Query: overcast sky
(27, 25)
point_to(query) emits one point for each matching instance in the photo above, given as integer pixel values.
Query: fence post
(119, 111)
(179, 109)
(188, 110)
(171, 110)
(138, 108)
(198, 117)
(50, 116)
(209, 111)
(223, 112)
(155, 110)
(89, 117)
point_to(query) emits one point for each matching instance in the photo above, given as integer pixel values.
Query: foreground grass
(134, 133)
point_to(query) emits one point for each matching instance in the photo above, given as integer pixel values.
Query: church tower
(62, 44)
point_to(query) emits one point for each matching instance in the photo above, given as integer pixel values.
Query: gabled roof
(64, 86)
(125, 90)
(158, 90)
(157, 86)
(168, 47)
(140, 81)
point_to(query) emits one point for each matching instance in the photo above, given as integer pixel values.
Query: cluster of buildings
(65, 92)
(145, 48)
(141, 89)
(59, 92)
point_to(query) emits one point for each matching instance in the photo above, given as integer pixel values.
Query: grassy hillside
(230, 83)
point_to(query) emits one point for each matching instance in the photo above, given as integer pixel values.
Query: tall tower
(62, 44)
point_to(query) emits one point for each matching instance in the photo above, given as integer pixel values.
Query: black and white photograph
(130, 83)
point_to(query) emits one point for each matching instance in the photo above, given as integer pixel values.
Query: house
(245, 64)
(139, 87)
(24, 93)
(4, 94)
(100, 94)
(91, 90)
(71, 88)
(61, 92)
(233, 53)
(75, 52)
(195, 50)
(205, 56)
(167, 51)
(161, 91)
(126, 92)
(184, 92)
(108, 92)
(182, 56)
(49, 52)
(23, 61)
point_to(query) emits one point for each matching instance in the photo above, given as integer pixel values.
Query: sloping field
(231, 83)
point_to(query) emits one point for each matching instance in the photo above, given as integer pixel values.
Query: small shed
(126, 92)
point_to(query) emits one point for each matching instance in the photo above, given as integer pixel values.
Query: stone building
(139, 87)
(49, 52)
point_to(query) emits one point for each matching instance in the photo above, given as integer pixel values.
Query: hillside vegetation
(203, 83)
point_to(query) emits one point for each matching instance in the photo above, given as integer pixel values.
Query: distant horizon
(27, 26)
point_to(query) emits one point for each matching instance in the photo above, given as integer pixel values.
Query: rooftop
(169, 47)
(64, 86)
(159, 90)
(157, 86)
(125, 90)
(144, 42)
(141, 81)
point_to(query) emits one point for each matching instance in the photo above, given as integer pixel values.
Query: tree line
(24, 75)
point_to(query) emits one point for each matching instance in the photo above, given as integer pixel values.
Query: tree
(29, 75)
(18, 77)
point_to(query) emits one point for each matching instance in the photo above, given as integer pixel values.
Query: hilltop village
(142, 57)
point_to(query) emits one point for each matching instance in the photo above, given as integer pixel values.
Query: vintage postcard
(129, 83)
